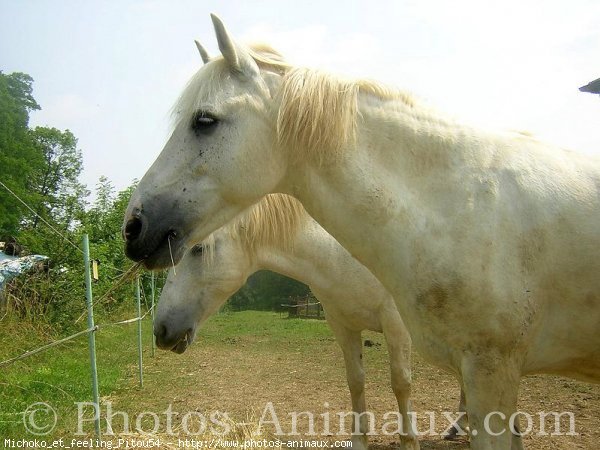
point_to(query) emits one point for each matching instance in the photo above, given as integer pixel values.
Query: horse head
(218, 159)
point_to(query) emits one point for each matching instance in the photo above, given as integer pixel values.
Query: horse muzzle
(155, 240)
(176, 342)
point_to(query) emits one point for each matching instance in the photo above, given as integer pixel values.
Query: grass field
(240, 362)
(61, 375)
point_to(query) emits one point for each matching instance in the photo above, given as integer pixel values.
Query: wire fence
(71, 337)
(47, 346)
(93, 328)
(129, 275)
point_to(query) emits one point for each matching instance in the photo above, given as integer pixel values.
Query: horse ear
(203, 52)
(236, 57)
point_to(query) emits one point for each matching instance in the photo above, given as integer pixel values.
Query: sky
(110, 71)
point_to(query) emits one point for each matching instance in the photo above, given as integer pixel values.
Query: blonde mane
(271, 222)
(317, 113)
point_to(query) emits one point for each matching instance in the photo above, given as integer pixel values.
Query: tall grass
(60, 376)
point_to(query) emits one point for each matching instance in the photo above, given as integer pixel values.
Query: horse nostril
(133, 229)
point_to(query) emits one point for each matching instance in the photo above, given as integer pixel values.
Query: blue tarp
(11, 268)
(5, 257)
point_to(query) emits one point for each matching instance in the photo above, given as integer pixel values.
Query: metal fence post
(152, 286)
(91, 335)
(139, 310)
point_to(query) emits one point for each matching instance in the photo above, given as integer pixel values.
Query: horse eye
(197, 250)
(203, 122)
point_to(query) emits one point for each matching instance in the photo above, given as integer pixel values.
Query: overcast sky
(110, 71)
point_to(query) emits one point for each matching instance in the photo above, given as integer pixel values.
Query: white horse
(278, 235)
(487, 241)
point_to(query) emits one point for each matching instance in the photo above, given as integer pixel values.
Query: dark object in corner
(593, 87)
(12, 248)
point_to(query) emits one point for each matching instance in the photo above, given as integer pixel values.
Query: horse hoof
(452, 435)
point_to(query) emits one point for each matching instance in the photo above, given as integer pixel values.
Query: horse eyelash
(199, 125)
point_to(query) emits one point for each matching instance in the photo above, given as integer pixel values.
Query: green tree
(42, 166)
(56, 195)
(59, 194)
(19, 157)
(102, 222)
(105, 195)
(104, 219)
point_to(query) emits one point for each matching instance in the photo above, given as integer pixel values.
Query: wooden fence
(306, 307)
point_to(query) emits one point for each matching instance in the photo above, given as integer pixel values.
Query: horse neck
(418, 140)
(316, 259)
(400, 156)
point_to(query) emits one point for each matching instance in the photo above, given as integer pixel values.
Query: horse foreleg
(491, 385)
(462, 426)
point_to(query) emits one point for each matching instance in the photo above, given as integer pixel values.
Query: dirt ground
(240, 374)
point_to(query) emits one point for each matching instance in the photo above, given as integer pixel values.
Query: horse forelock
(267, 58)
(273, 221)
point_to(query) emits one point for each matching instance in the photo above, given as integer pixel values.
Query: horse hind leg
(351, 345)
(460, 428)
(399, 343)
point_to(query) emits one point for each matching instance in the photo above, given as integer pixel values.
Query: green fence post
(139, 309)
(152, 285)
(92, 333)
